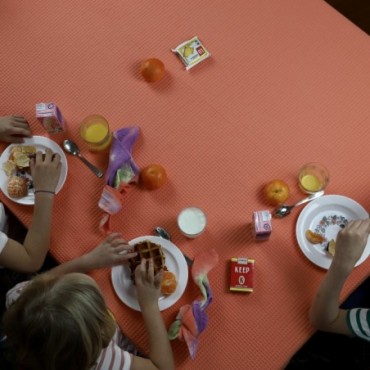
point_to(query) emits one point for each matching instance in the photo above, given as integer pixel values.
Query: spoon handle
(311, 197)
(91, 166)
(166, 235)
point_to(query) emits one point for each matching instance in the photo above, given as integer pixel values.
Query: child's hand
(351, 242)
(13, 129)
(111, 252)
(45, 171)
(147, 284)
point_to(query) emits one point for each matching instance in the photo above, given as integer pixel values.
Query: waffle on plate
(146, 249)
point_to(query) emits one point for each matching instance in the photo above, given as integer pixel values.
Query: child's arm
(112, 251)
(30, 256)
(325, 313)
(148, 290)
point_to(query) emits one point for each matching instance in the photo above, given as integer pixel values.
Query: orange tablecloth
(288, 83)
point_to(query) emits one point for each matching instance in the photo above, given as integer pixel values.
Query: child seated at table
(12, 130)
(45, 172)
(325, 313)
(59, 320)
(29, 256)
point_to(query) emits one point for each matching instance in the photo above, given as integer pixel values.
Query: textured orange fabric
(288, 83)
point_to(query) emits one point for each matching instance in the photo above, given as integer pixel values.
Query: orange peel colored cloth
(121, 173)
(192, 319)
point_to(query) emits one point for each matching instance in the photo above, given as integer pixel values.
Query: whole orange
(276, 192)
(152, 69)
(153, 176)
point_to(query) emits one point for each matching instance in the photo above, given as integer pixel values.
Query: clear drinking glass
(192, 221)
(313, 177)
(94, 130)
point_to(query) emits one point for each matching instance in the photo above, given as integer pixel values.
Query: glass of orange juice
(313, 177)
(94, 129)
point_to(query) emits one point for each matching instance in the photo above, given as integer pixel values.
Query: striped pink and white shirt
(3, 240)
(358, 320)
(113, 357)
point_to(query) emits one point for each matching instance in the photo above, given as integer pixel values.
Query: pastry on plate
(17, 187)
(25, 149)
(9, 168)
(21, 154)
(331, 247)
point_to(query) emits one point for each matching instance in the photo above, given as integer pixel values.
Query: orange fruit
(152, 69)
(276, 192)
(153, 176)
(169, 283)
(314, 238)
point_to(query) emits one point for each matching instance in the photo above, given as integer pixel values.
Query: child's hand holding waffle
(151, 251)
(147, 284)
(113, 251)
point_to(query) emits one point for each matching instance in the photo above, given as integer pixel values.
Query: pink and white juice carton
(50, 116)
(261, 224)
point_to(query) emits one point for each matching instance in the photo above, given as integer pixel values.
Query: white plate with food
(174, 261)
(325, 217)
(40, 143)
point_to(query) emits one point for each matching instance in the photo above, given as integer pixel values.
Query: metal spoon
(72, 148)
(161, 232)
(284, 210)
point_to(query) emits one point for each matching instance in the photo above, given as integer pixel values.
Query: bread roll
(17, 187)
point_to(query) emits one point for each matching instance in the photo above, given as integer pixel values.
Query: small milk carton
(261, 225)
(50, 116)
(242, 274)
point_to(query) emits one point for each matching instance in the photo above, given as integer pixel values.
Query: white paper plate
(326, 216)
(41, 143)
(175, 263)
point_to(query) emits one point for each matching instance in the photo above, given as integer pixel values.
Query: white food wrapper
(191, 52)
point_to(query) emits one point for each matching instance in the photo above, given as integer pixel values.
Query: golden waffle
(146, 249)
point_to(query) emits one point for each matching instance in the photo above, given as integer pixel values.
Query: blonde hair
(59, 323)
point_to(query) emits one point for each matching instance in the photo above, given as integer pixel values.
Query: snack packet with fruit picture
(191, 52)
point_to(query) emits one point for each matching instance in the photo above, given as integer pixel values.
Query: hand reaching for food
(13, 129)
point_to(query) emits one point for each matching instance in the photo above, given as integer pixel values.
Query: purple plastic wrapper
(122, 171)
(121, 154)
